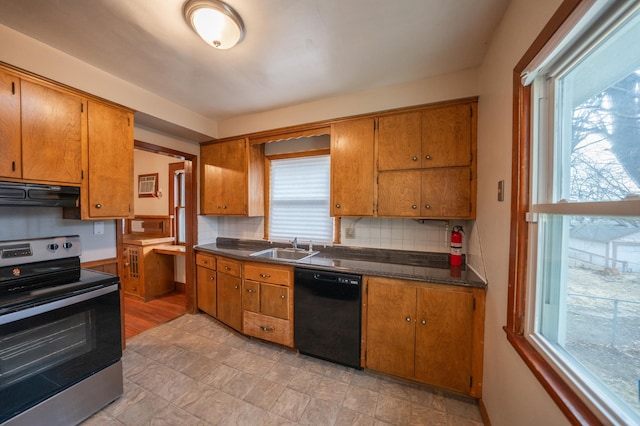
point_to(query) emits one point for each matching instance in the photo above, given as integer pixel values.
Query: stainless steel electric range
(60, 334)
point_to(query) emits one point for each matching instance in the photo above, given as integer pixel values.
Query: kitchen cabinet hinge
(470, 175)
(375, 125)
(81, 107)
(82, 174)
(474, 303)
(129, 121)
(13, 88)
(470, 111)
(470, 381)
(470, 207)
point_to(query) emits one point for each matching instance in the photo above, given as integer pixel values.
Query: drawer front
(206, 261)
(227, 266)
(132, 287)
(268, 328)
(251, 296)
(268, 273)
(274, 300)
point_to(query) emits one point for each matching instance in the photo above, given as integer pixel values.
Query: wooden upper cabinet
(400, 141)
(352, 168)
(448, 193)
(10, 151)
(399, 194)
(109, 193)
(447, 136)
(232, 178)
(54, 129)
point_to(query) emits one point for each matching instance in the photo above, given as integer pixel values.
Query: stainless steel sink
(285, 253)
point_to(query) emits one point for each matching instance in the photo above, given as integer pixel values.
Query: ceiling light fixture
(215, 22)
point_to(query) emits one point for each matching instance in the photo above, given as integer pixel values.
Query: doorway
(186, 232)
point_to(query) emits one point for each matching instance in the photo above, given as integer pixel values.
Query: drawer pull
(337, 206)
(250, 290)
(428, 157)
(98, 206)
(265, 275)
(408, 319)
(205, 262)
(265, 328)
(226, 268)
(283, 297)
(427, 206)
(414, 158)
(212, 278)
(423, 322)
(414, 206)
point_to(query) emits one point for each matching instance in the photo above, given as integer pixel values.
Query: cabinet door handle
(98, 206)
(212, 278)
(423, 322)
(265, 275)
(427, 206)
(414, 158)
(236, 287)
(250, 290)
(337, 206)
(414, 206)
(265, 328)
(283, 297)
(408, 319)
(428, 157)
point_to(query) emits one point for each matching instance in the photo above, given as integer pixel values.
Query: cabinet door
(399, 141)
(132, 271)
(53, 132)
(110, 151)
(444, 335)
(274, 300)
(391, 313)
(10, 157)
(251, 296)
(352, 168)
(230, 301)
(399, 194)
(446, 193)
(206, 290)
(224, 178)
(446, 136)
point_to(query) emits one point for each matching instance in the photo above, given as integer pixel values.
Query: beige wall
(511, 393)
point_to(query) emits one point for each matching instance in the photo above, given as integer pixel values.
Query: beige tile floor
(194, 371)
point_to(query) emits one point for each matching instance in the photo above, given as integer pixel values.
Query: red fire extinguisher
(456, 246)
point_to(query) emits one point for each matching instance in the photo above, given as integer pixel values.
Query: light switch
(98, 228)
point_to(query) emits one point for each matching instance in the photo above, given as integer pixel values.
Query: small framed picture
(147, 185)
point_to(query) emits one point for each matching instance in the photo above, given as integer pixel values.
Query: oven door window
(47, 352)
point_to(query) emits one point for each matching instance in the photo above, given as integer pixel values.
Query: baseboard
(483, 413)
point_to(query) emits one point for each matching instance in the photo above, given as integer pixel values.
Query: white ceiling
(294, 51)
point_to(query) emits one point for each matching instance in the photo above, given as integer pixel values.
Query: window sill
(565, 398)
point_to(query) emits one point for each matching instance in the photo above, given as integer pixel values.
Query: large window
(299, 199)
(578, 305)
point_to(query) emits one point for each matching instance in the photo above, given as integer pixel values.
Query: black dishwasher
(327, 315)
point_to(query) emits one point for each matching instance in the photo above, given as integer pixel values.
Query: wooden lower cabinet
(206, 283)
(267, 302)
(431, 333)
(147, 275)
(229, 294)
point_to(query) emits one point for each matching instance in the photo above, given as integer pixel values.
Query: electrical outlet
(351, 233)
(98, 228)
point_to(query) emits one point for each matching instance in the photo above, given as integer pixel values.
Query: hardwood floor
(140, 316)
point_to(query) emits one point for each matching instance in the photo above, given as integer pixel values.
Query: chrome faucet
(294, 242)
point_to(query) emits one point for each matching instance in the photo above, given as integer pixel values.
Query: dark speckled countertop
(409, 265)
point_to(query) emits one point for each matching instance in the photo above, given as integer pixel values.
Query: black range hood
(38, 195)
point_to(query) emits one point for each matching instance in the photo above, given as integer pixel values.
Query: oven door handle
(47, 307)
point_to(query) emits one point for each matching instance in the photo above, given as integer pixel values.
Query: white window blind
(299, 200)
